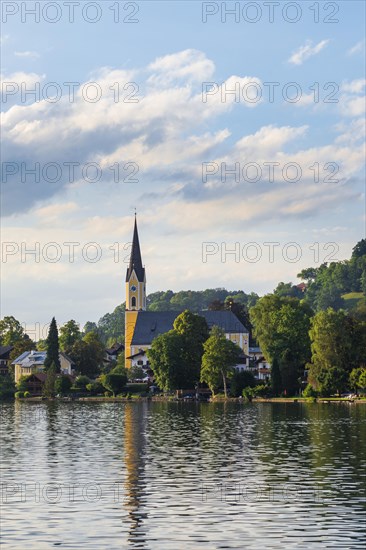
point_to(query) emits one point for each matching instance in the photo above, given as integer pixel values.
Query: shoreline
(324, 400)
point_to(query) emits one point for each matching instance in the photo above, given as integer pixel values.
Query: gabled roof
(5, 351)
(29, 358)
(135, 258)
(150, 324)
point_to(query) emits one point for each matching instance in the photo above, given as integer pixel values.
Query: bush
(239, 381)
(81, 382)
(114, 382)
(137, 388)
(63, 384)
(248, 393)
(95, 387)
(7, 388)
(309, 391)
(22, 384)
(19, 394)
(27, 394)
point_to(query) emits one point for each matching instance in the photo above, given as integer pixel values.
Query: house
(36, 382)
(141, 326)
(5, 352)
(112, 353)
(32, 362)
(259, 366)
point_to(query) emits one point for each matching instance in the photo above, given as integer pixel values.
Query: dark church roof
(135, 258)
(150, 324)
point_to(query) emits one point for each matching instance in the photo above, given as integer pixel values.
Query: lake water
(183, 475)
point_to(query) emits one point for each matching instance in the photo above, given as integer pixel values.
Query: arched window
(133, 302)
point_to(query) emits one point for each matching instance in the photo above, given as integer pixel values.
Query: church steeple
(135, 258)
(135, 277)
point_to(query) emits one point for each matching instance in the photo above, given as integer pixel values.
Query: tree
(20, 346)
(88, 354)
(62, 384)
(337, 344)
(96, 346)
(281, 326)
(69, 334)
(276, 381)
(165, 358)
(175, 357)
(219, 357)
(22, 384)
(7, 388)
(49, 384)
(119, 367)
(81, 382)
(331, 380)
(52, 347)
(359, 249)
(239, 381)
(11, 331)
(136, 373)
(114, 382)
(193, 330)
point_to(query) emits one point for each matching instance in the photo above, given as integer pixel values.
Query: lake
(168, 475)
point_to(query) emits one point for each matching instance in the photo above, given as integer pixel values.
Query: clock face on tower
(133, 288)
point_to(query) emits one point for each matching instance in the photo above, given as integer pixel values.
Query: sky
(236, 129)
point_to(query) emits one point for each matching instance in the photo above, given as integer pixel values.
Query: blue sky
(170, 133)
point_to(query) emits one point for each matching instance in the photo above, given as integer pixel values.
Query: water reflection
(183, 475)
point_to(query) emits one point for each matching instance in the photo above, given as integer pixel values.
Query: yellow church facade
(142, 326)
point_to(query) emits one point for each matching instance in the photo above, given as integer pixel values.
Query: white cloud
(29, 54)
(308, 50)
(358, 47)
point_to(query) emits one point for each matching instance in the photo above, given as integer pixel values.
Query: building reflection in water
(134, 458)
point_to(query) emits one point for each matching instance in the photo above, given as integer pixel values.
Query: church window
(133, 301)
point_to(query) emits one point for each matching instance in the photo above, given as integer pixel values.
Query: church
(142, 326)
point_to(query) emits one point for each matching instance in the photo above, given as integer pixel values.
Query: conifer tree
(52, 346)
(49, 385)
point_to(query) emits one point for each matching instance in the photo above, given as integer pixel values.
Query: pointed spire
(135, 258)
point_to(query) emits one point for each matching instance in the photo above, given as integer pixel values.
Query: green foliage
(276, 379)
(11, 331)
(7, 388)
(22, 384)
(19, 394)
(81, 382)
(136, 372)
(49, 385)
(114, 382)
(288, 290)
(88, 354)
(137, 387)
(193, 331)
(219, 357)
(63, 384)
(357, 379)
(261, 390)
(338, 342)
(52, 347)
(27, 394)
(95, 387)
(110, 327)
(69, 334)
(309, 391)
(239, 381)
(331, 381)
(248, 393)
(281, 326)
(165, 358)
(175, 357)
(20, 346)
(327, 283)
